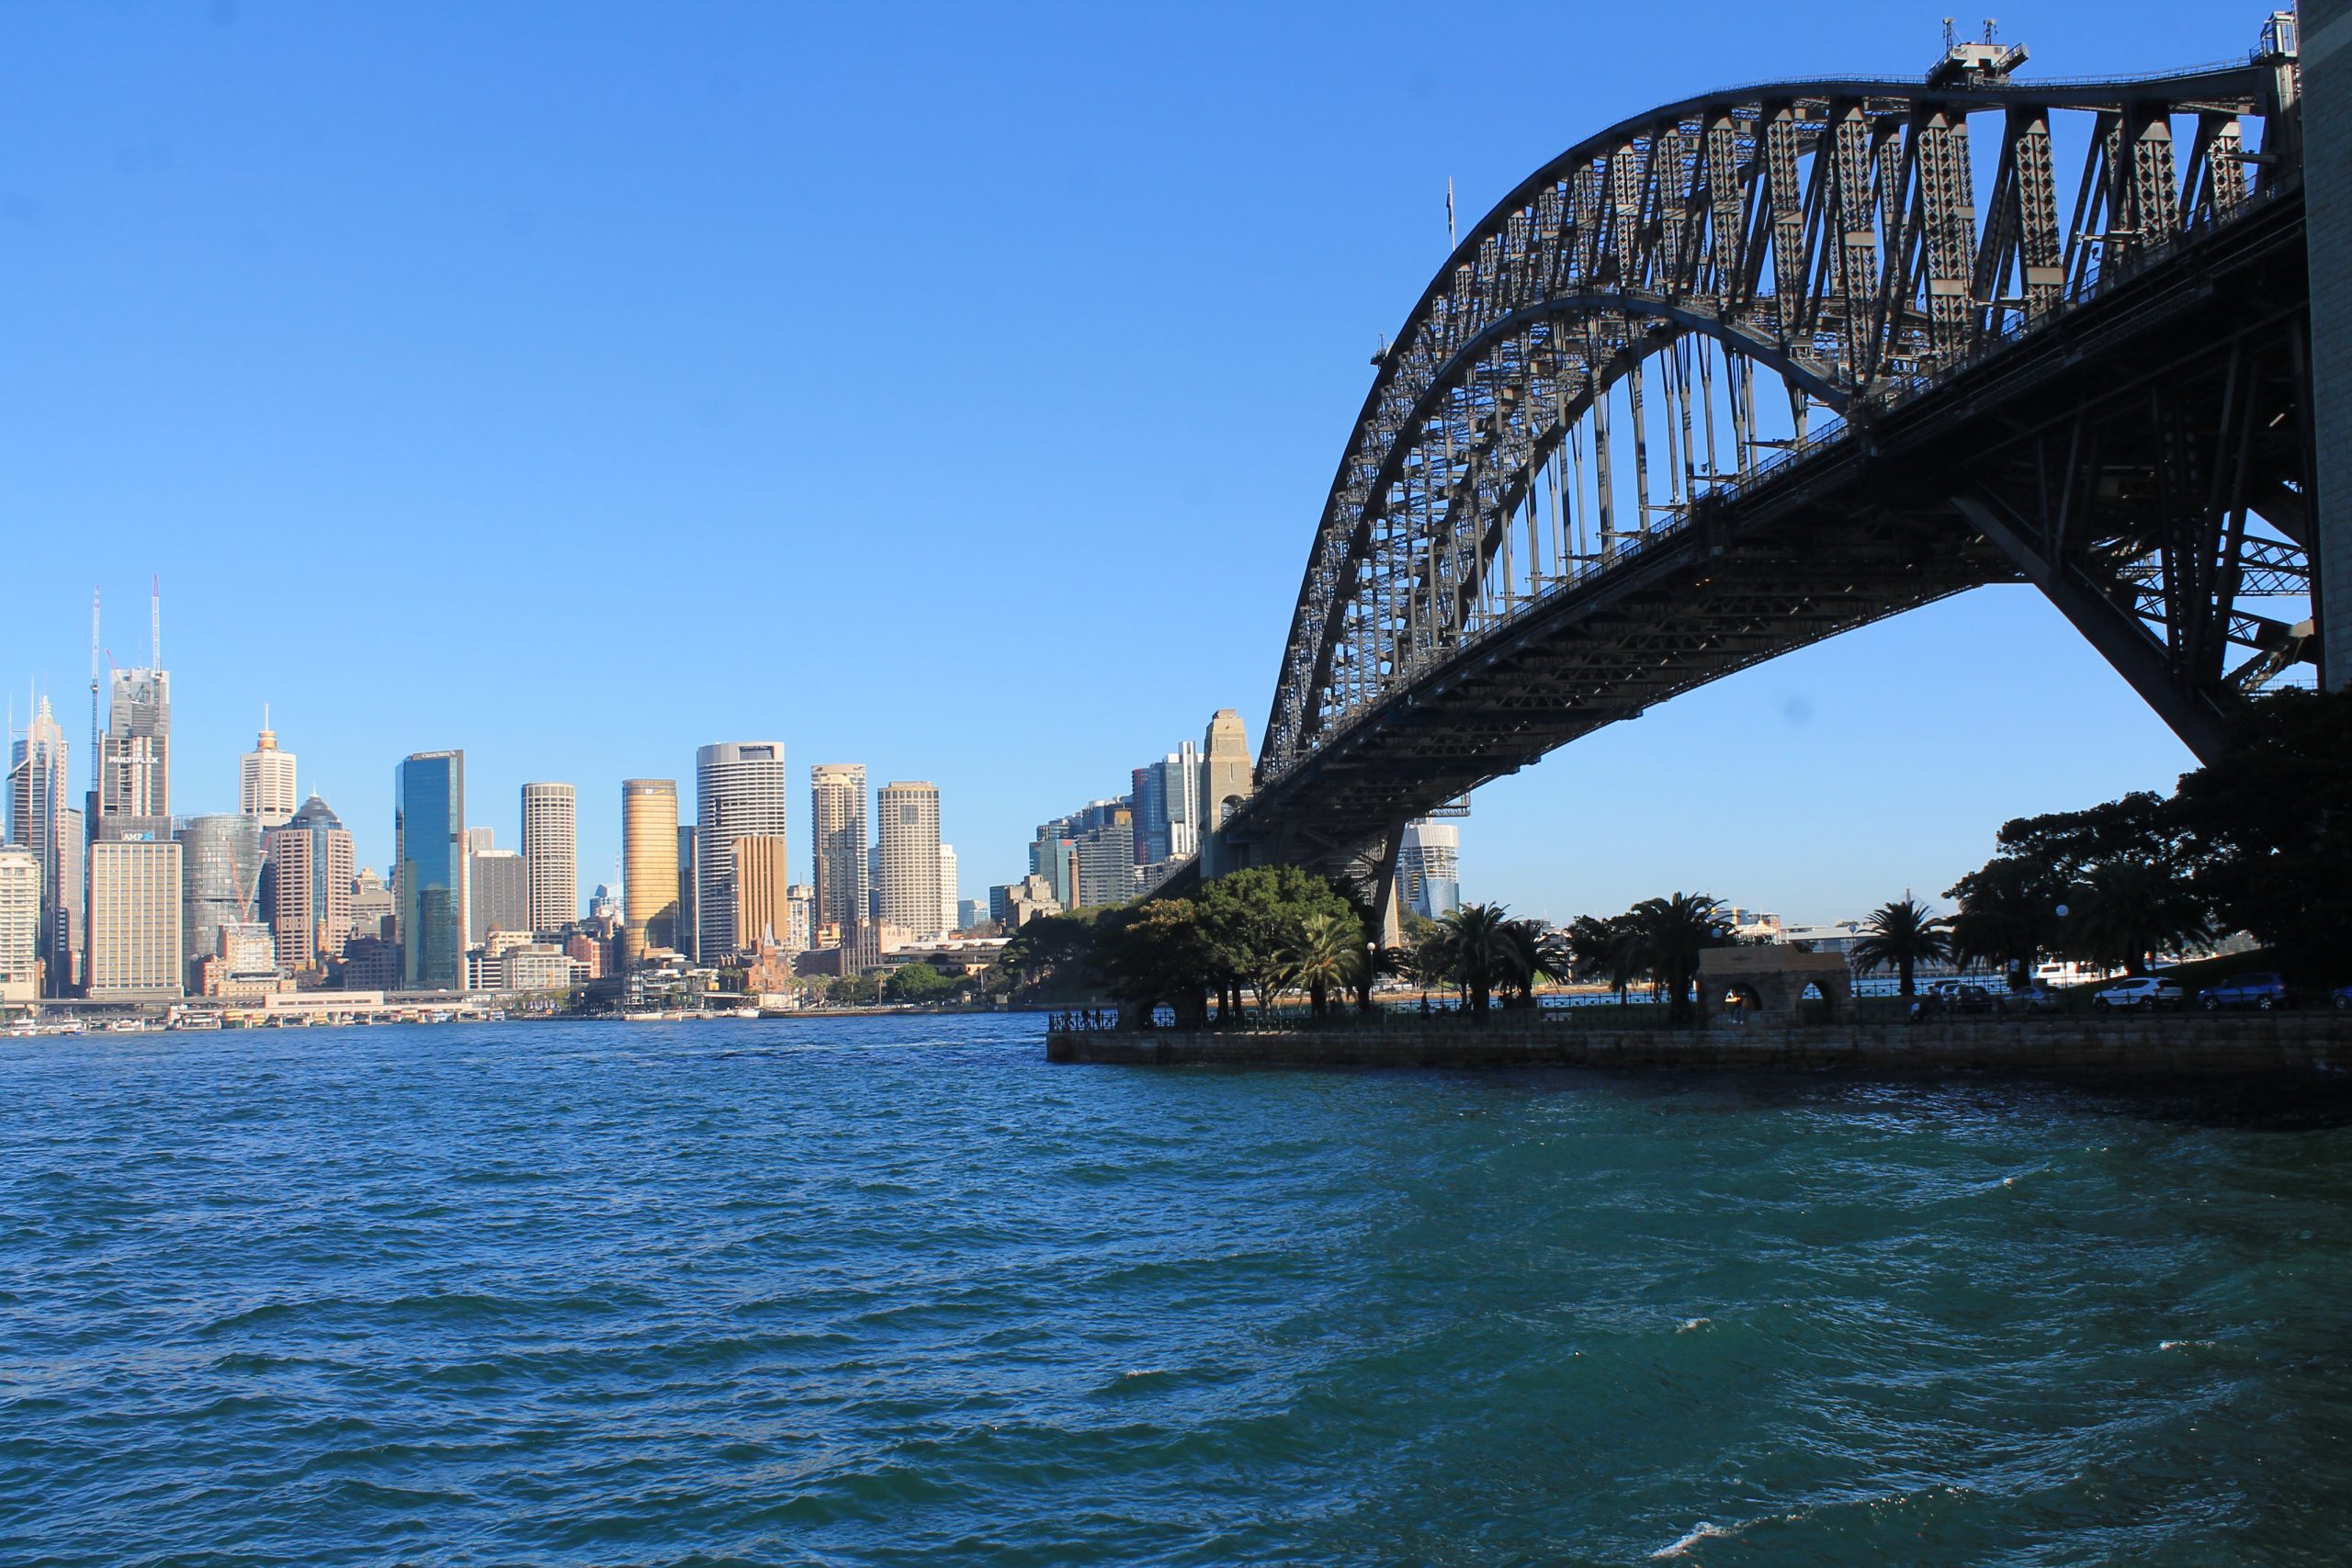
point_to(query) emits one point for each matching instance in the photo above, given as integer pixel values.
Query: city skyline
(629, 409)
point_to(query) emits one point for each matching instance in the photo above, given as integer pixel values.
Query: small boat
(197, 1020)
(127, 1026)
(641, 1018)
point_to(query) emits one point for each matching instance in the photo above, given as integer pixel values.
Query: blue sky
(950, 389)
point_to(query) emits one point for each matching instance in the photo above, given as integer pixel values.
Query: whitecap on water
(1702, 1530)
(1693, 1325)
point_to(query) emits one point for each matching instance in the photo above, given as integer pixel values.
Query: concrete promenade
(2171, 1045)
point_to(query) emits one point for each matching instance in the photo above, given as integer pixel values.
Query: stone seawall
(2186, 1045)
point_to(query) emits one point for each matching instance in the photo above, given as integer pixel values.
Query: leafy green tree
(1255, 919)
(1051, 954)
(2271, 824)
(1902, 935)
(918, 983)
(1157, 953)
(2008, 915)
(1672, 932)
(854, 990)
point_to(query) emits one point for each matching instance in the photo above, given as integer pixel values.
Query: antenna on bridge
(1951, 38)
(1450, 241)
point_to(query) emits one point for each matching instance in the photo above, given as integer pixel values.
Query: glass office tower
(429, 828)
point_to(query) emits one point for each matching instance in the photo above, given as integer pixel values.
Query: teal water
(896, 1292)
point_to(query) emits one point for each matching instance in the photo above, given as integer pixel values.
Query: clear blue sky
(950, 389)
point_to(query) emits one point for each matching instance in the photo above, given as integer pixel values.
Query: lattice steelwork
(1741, 298)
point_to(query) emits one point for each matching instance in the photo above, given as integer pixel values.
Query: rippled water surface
(896, 1292)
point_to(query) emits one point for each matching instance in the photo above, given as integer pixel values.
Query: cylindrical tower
(649, 867)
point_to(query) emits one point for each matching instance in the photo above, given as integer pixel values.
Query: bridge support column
(2129, 651)
(2327, 195)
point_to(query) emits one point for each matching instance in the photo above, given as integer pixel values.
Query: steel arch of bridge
(1821, 241)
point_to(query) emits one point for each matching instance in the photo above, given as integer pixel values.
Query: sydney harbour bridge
(1769, 364)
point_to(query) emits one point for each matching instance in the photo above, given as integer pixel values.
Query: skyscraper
(135, 757)
(38, 788)
(551, 851)
(909, 857)
(265, 780)
(429, 830)
(686, 929)
(135, 918)
(1088, 857)
(740, 790)
(220, 865)
(1429, 868)
(837, 824)
(498, 894)
(311, 888)
(762, 893)
(1168, 804)
(948, 924)
(648, 867)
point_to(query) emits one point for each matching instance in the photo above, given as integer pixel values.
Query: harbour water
(894, 1291)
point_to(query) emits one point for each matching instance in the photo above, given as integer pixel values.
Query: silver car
(2149, 991)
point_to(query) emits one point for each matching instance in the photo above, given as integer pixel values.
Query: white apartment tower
(739, 791)
(949, 922)
(265, 780)
(908, 845)
(551, 851)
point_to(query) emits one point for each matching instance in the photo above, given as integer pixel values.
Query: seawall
(2181, 1046)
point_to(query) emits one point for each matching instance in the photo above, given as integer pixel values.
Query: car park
(2032, 1001)
(2258, 989)
(2151, 991)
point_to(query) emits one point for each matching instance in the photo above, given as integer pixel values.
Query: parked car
(2151, 991)
(2342, 998)
(2258, 989)
(1951, 996)
(2030, 1002)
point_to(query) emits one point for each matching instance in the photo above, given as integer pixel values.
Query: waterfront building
(535, 967)
(949, 921)
(837, 826)
(314, 903)
(800, 904)
(1429, 868)
(498, 894)
(1225, 781)
(649, 868)
(429, 831)
(20, 925)
(135, 951)
(740, 792)
(908, 857)
(41, 823)
(551, 854)
(221, 876)
(265, 780)
(760, 882)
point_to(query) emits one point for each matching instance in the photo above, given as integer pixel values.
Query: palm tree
(1479, 949)
(1524, 941)
(1330, 954)
(1429, 962)
(2132, 909)
(1606, 949)
(1673, 931)
(1904, 934)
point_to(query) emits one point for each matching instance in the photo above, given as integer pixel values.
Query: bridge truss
(1759, 367)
